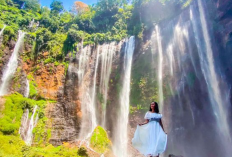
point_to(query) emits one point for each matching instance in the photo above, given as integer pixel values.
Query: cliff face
(85, 74)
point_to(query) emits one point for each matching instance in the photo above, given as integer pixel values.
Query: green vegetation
(32, 86)
(42, 132)
(59, 31)
(144, 88)
(13, 146)
(11, 115)
(99, 140)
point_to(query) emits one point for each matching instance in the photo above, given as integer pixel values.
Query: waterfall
(90, 62)
(84, 59)
(31, 23)
(170, 57)
(24, 121)
(108, 52)
(11, 66)
(160, 66)
(1, 32)
(120, 137)
(217, 101)
(27, 91)
(194, 95)
(27, 125)
(94, 91)
(89, 120)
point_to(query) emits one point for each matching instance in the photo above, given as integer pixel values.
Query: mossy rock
(100, 141)
(82, 152)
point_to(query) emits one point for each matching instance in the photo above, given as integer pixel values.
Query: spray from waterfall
(27, 125)
(120, 137)
(11, 66)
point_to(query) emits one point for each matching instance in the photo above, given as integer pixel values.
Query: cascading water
(196, 107)
(160, 69)
(108, 52)
(89, 120)
(27, 91)
(83, 62)
(27, 125)
(87, 80)
(31, 23)
(1, 32)
(217, 101)
(121, 137)
(11, 66)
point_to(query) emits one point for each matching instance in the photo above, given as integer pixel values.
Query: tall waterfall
(108, 52)
(218, 103)
(1, 32)
(217, 95)
(121, 137)
(89, 119)
(195, 100)
(94, 64)
(11, 66)
(27, 125)
(160, 69)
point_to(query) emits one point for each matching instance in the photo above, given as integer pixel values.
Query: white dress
(150, 139)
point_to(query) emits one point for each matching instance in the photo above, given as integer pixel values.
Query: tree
(56, 6)
(32, 5)
(85, 21)
(80, 7)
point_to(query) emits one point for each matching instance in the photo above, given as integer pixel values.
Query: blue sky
(67, 3)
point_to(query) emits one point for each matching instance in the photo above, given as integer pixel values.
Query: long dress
(150, 139)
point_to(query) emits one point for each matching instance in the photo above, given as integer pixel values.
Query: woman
(150, 138)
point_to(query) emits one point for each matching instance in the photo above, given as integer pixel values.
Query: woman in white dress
(150, 138)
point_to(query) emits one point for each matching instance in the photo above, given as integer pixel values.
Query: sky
(67, 3)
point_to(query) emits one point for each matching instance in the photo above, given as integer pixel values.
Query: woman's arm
(146, 121)
(161, 124)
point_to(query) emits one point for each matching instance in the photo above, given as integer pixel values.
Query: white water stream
(11, 67)
(121, 137)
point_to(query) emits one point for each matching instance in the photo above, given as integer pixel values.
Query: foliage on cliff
(11, 144)
(58, 31)
(12, 112)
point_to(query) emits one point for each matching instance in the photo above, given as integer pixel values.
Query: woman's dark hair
(156, 107)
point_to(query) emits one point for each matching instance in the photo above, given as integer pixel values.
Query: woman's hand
(144, 122)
